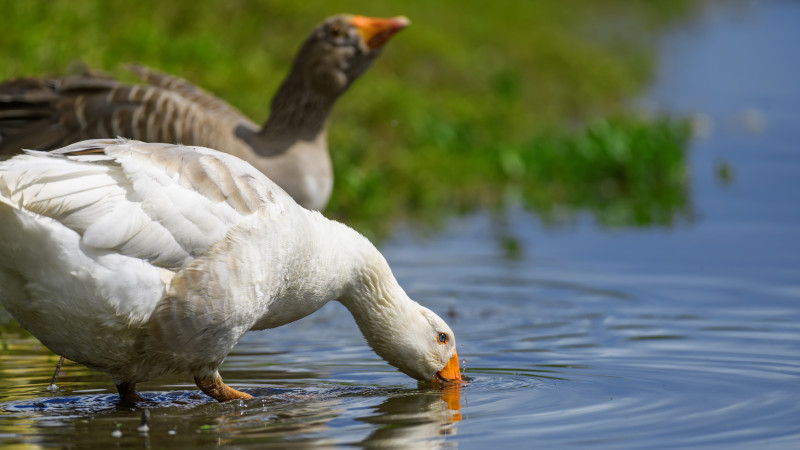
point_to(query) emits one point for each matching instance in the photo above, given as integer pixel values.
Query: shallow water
(687, 336)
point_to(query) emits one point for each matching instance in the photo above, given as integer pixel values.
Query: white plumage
(140, 259)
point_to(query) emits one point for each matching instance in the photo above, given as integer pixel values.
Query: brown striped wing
(49, 113)
(187, 90)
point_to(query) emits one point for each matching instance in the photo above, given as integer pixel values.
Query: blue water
(590, 337)
(688, 336)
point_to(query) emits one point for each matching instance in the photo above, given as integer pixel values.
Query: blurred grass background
(475, 105)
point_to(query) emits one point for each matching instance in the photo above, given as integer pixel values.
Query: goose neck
(298, 111)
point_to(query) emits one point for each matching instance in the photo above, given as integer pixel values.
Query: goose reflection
(418, 419)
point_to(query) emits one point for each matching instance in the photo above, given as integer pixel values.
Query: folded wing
(166, 204)
(48, 113)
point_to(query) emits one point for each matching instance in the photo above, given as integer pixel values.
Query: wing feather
(163, 203)
(47, 113)
(188, 91)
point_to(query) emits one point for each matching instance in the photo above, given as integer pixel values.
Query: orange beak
(376, 32)
(450, 372)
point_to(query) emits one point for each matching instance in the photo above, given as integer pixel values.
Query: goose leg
(53, 386)
(214, 387)
(128, 394)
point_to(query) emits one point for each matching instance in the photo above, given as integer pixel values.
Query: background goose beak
(375, 31)
(450, 372)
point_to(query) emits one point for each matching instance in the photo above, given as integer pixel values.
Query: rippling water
(587, 337)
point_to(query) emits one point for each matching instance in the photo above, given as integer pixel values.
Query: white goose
(141, 259)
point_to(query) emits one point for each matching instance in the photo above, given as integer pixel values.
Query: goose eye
(336, 31)
(442, 338)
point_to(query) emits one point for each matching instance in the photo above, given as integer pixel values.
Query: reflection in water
(451, 394)
(415, 419)
(282, 418)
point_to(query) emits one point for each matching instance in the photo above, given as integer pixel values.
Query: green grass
(625, 171)
(472, 106)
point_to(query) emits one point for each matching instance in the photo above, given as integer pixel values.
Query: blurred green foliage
(473, 105)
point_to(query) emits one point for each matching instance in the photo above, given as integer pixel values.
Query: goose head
(413, 339)
(427, 347)
(341, 48)
(332, 57)
(406, 334)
